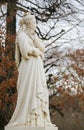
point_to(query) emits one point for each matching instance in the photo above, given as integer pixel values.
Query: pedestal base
(30, 128)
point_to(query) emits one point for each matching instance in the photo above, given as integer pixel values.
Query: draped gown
(32, 108)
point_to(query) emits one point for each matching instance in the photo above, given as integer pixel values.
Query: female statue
(32, 108)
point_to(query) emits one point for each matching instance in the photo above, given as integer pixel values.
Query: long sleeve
(25, 48)
(38, 43)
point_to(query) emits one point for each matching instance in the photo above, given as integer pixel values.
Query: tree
(8, 70)
(67, 88)
(47, 12)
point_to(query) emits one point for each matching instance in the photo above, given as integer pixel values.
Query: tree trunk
(9, 68)
(11, 26)
(1, 128)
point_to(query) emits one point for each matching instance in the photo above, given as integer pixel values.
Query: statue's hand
(36, 52)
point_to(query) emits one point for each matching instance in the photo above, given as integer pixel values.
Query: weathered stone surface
(29, 128)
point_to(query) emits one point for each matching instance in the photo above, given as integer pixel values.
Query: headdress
(28, 20)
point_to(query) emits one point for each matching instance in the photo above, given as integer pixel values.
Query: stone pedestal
(30, 128)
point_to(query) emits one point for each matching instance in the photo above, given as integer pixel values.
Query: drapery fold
(32, 106)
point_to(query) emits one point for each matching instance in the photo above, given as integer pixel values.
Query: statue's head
(28, 20)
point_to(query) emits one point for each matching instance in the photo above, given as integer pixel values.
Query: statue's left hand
(36, 52)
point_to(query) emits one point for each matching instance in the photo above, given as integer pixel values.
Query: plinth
(30, 128)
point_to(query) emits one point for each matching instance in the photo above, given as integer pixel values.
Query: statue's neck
(30, 31)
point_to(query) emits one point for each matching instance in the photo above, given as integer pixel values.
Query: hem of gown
(35, 114)
(31, 127)
(26, 124)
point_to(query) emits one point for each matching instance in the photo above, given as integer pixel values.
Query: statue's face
(31, 23)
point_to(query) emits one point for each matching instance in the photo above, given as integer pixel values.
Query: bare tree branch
(35, 4)
(3, 15)
(65, 33)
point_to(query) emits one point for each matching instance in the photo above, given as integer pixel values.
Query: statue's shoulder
(21, 34)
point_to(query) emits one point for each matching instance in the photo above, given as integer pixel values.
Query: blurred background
(60, 26)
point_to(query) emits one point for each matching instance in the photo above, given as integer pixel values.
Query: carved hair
(28, 20)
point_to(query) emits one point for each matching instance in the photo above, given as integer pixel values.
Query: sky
(74, 39)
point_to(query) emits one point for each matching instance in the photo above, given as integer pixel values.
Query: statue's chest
(30, 42)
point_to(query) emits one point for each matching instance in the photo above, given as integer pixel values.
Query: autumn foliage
(69, 95)
(8, 77)
(8, 70)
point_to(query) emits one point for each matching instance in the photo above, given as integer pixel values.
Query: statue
(32, 108)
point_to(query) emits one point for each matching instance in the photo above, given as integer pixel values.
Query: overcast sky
(74, 38)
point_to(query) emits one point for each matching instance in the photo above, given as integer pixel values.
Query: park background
(60, 26)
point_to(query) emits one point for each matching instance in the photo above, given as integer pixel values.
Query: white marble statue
(32, 108)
